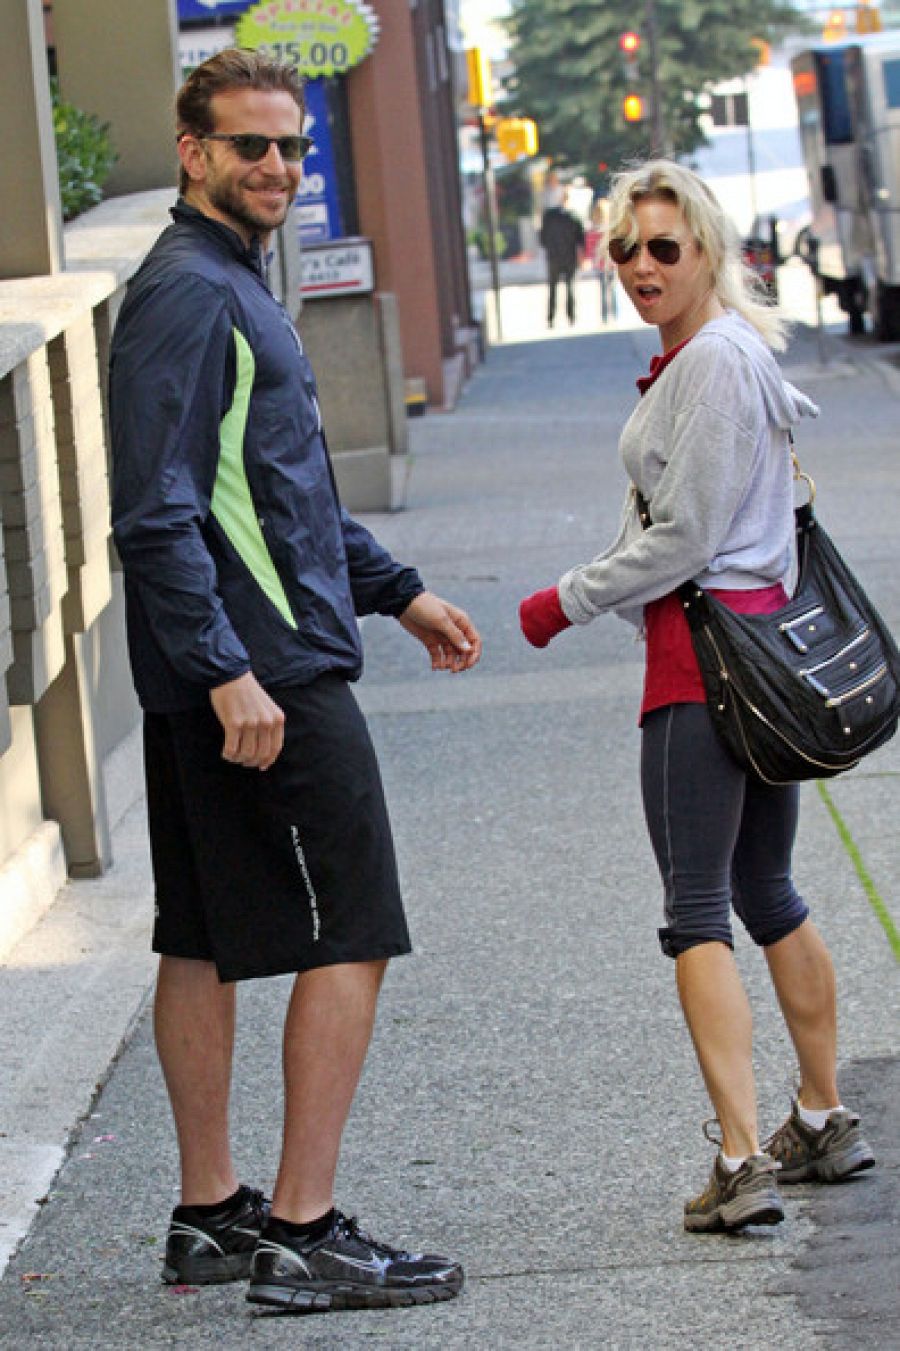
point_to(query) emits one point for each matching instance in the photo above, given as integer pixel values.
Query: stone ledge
(104, 248)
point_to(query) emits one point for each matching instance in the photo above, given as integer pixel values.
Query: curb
(30, 881)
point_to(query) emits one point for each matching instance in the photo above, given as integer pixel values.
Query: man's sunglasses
(665, 251)
(252, 147)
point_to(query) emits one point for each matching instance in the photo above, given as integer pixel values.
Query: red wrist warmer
(542, 617)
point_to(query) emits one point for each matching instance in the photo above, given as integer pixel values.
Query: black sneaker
(210, 1249)
(345, 1270)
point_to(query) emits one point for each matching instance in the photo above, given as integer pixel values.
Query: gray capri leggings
(721, 838)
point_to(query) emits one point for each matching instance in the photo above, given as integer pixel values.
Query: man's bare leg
(327, 1032)
(193, 1019)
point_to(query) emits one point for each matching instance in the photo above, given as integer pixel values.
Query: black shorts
(286, 870)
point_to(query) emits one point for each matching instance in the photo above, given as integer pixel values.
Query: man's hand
(253, 723)
(447, 632)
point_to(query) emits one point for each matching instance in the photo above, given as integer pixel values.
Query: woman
(707, 446)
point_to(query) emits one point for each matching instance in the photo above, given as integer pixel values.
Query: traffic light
(763, 51)
(868, 18)
(478, 68)
(835, 29)
(630, 46)
(517, 137)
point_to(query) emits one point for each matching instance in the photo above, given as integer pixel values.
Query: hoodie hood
(785, 404)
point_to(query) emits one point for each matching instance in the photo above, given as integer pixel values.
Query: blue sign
(317, 204)
(210, 9)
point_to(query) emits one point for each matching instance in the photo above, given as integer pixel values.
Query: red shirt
(671, 675)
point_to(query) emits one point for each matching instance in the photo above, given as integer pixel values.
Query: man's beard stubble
(230, 202)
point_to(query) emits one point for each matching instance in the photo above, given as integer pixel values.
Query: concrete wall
(30, 218)
(135, 46)
(353, 343)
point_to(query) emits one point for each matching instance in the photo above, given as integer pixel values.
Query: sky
(476, 15)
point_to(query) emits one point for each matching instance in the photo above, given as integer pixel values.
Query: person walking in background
(270, 841)
(600, 261)
(562, 239)
(707, 448)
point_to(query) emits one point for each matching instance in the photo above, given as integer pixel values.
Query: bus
(848, 104)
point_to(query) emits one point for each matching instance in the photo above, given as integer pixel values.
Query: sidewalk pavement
(531, 1102)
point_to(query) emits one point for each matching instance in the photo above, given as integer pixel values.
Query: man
(270, 841)
(562, 239)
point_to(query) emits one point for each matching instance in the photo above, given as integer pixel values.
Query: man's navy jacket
(236, 552)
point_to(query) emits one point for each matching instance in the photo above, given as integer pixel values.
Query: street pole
(751, 158)
(490, 204)
(657, 136)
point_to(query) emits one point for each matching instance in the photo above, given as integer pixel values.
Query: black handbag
(805, 691)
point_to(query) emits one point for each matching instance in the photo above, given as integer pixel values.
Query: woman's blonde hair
(735, 285)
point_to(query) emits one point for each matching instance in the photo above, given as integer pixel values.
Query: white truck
(848, 101)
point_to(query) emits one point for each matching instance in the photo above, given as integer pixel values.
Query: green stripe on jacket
(232, 502)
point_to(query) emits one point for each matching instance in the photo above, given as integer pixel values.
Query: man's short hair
(231, 69)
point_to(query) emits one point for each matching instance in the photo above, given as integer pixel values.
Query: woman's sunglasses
(253, 148)
(665, 251)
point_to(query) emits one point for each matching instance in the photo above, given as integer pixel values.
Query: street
(531, 1102)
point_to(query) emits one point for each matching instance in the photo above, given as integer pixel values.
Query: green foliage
(85, 154)
(480, 237)
(571, 78)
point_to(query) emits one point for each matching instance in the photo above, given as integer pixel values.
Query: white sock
(731, 1164)
(817, 1119)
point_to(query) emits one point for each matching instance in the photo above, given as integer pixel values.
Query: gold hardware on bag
(801, 477)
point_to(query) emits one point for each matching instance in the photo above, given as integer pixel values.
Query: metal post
(751, 158)
(657, 134)
(490, 203)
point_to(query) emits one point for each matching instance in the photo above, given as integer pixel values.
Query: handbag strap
(692, 596)
(800, 475)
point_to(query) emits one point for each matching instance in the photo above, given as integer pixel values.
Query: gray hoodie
(707, 446)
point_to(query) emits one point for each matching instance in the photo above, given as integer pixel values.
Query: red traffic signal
(629, 44)
(633, 108)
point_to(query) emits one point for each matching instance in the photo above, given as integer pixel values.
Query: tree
(570, 76)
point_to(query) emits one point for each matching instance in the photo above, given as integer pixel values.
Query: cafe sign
(319, 37)
(343, 268)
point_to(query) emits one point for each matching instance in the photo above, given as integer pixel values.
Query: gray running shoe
(829, 1155)
(732, 1200)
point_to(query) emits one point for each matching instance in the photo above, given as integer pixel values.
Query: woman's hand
(541, 617)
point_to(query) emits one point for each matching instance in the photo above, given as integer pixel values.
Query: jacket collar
(251, 255)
